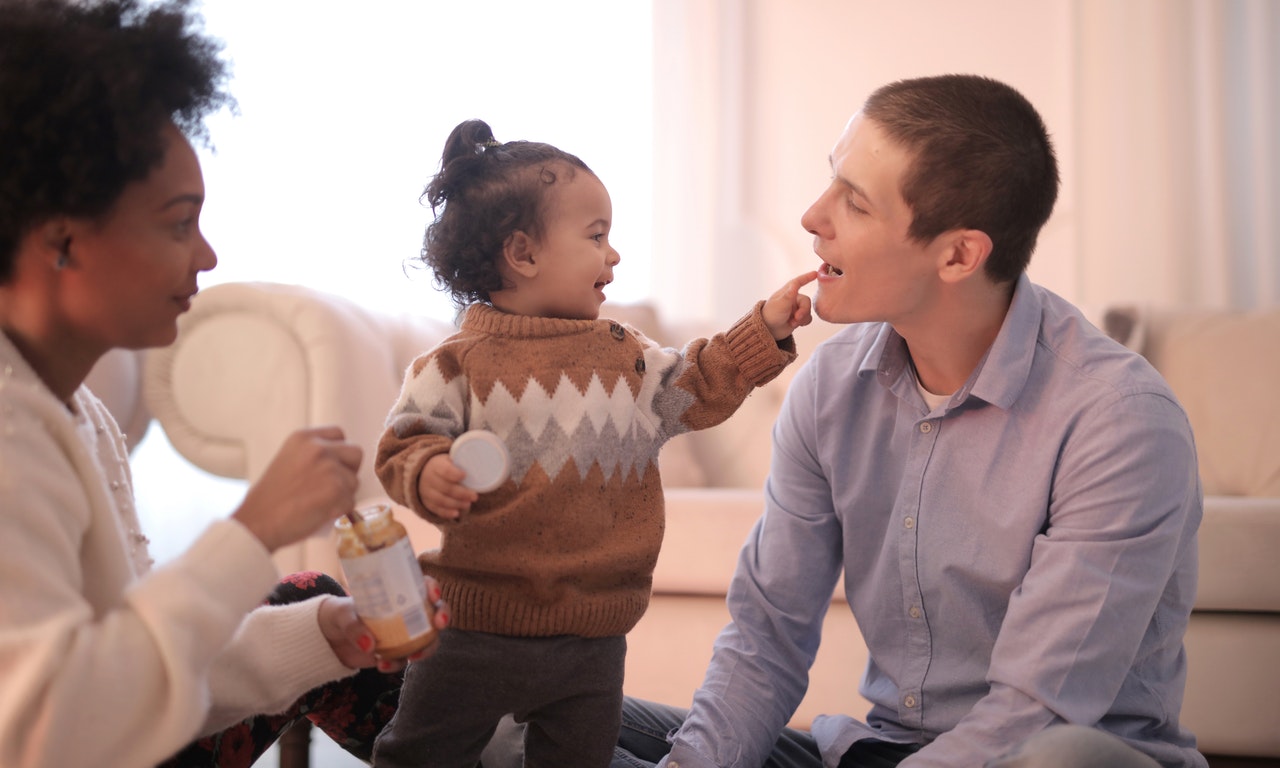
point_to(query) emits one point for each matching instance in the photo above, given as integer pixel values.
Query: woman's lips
(831, 271)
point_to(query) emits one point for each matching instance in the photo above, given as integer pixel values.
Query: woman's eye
(854, 205)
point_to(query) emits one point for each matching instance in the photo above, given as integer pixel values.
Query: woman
(103, 660)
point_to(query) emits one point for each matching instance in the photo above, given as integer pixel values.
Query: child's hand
(788, 308)
(441, 490)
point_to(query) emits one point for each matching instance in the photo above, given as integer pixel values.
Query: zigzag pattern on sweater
(611, 428)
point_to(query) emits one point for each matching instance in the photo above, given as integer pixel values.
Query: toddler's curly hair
(484, 192)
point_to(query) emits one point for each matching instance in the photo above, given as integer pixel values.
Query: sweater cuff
(760, 357)
(304, 657)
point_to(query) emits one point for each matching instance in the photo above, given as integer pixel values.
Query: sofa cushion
(1239, 536)
(1223, 366)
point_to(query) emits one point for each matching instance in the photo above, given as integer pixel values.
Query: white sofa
(254, 361)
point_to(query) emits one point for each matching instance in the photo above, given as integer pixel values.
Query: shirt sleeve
(1125, 507)
(779, 595)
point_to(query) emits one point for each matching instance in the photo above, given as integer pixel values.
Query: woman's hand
(788, 308)
(353, 643)
(310, 482)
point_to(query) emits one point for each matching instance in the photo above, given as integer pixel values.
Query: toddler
(546, 573)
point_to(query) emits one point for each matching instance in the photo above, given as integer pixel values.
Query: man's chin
(828, 309)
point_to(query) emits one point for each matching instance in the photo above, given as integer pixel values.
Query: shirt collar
(1003, 372)
(999, 376)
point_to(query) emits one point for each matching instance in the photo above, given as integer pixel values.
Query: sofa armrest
(255, 361)
(1239, 537)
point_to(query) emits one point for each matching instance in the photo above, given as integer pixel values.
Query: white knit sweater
(104, 661)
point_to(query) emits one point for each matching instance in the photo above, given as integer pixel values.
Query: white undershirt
(930, 399)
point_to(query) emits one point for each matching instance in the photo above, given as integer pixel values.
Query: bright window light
(343, 114)
(344, 110)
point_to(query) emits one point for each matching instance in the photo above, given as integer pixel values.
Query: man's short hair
(981, 159)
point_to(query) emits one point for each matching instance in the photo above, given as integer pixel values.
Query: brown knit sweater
(568, 544)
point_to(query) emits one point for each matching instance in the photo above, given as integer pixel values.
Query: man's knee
(1073, 746)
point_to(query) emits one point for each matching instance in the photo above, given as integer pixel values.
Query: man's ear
(965, 255)
(520, 252)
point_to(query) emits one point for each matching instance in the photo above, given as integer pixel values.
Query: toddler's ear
(519, 252)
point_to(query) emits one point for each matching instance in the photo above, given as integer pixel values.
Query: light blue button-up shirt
(1022, 555)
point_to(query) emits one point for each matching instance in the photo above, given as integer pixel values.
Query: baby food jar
(385, 581)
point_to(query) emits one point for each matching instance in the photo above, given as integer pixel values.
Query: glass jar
(385, 581)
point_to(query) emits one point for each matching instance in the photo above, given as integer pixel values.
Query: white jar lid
(483, 456)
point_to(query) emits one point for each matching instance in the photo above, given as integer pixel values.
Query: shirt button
(616, 331)
(909, 523)
(640, 365)
(909, 701)
(926, 428)
(914, 612)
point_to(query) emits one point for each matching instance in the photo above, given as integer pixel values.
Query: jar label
(389, 592)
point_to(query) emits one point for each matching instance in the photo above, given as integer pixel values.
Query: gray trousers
(566, 692)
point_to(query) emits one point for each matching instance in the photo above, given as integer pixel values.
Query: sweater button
(640, 365)
(617, 332)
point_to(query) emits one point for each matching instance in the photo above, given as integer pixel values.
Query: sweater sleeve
(130, 681)
(276, 655)
(706, 382)
(98, 665)
(430, 412)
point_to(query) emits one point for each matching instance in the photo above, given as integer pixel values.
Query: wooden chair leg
(295, 745)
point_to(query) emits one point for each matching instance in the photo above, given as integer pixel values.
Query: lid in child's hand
(483, 456)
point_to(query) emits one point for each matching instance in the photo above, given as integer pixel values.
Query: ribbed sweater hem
(476, 608)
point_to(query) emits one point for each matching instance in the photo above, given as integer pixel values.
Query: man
(1013, 498)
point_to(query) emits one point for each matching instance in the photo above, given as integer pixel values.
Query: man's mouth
(831, 271)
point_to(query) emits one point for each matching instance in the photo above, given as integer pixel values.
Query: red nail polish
(365, 642)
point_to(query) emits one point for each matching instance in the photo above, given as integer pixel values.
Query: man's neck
(947, 347)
